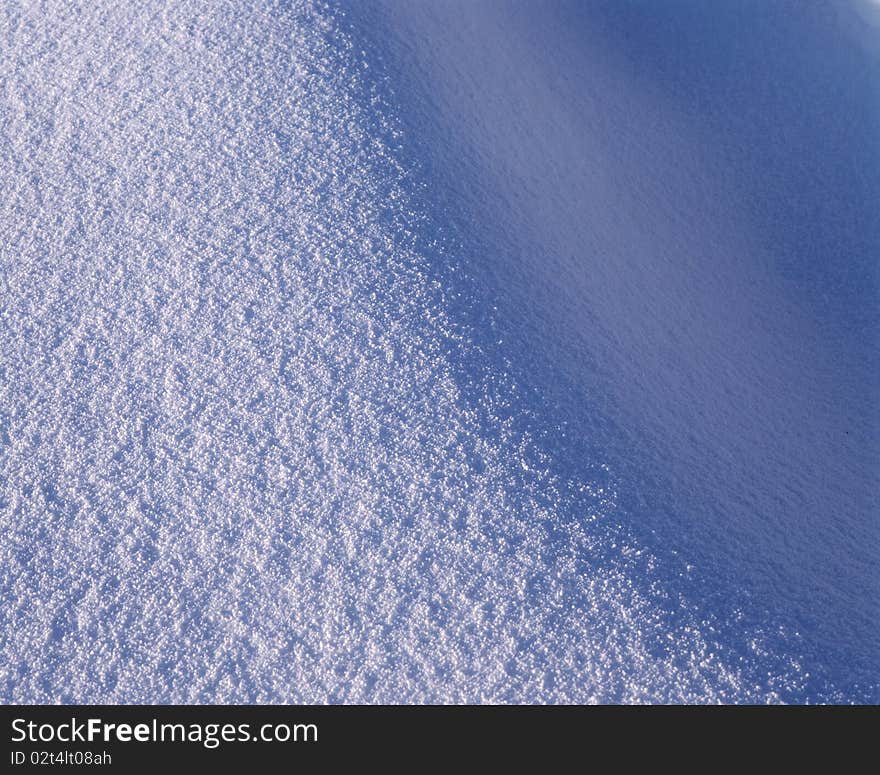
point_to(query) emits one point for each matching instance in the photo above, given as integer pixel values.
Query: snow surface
(249, 449)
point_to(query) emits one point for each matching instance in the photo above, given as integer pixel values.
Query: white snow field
(237, 462)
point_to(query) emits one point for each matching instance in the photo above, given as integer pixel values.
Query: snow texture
(239, 459)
